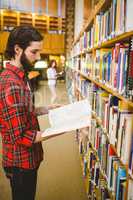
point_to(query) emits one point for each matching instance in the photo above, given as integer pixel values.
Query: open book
(69, 117)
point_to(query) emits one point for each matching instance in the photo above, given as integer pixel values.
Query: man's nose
(38, 57)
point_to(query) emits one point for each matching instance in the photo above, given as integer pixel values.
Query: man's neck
(16, 63)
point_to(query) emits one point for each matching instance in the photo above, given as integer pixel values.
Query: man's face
(31, 54)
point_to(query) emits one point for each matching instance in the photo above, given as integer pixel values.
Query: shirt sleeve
(17, 115)
(48, 74)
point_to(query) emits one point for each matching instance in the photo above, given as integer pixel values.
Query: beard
(27, 65)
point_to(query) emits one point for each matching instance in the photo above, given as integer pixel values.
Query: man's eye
(34, 52)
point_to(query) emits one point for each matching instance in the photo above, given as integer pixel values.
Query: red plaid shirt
(18, 121)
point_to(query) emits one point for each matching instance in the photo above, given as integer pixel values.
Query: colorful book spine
(120, 178)
(130, 72)
(131, 158)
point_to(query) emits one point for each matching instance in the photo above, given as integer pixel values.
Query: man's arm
(41, 111)
(45, 110)
(39, 137)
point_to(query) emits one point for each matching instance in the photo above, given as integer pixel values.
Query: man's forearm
(45, 110)
(41, 111)
(39, 137)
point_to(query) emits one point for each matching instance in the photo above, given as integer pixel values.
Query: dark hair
(22, 36)
(51, 62)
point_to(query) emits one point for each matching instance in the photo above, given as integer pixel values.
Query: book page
(70, 117)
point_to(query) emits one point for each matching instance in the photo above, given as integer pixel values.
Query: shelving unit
(108, 151)
(25, 19)
(8, 22)
(63, 21)
(41, 23)
(10, 19)
(53, 23)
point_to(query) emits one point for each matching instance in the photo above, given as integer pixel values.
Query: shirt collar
(18, 71)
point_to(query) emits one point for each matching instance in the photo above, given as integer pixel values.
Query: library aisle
(60, 174)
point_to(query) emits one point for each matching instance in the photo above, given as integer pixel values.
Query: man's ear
(18, 50)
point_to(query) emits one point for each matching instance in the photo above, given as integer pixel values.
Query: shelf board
(41, 24)
(41, 28)
(121, 37)
(103, 5)
(101, 85)
(53, 25)
(85, 51)
(25, 23)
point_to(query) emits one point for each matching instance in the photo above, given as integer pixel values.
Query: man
(21, 138)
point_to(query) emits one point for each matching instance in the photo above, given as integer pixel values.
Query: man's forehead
(35, 44)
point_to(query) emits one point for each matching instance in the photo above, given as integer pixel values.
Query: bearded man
(21, 139)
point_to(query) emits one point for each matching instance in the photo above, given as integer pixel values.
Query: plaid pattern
(18, 121)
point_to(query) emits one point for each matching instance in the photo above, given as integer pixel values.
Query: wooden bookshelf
(63, 22)
(53, 23)
(7, 22)
(11, 18)
(41, 23)
(25, 19)
(85, 58)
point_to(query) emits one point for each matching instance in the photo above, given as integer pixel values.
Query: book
(129, 80)
(127, 138)
(124, 133)
(120, 178)
(129, 10)
(131, 158)
(69, 117)
(130, 190)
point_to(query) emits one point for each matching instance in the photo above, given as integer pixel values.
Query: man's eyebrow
(35, 49)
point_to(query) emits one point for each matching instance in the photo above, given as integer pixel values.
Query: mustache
(27, 65)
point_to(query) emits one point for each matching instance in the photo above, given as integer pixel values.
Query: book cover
(127, 138)
(129, 10)
(130, 190)
(120, 177)
(130, 72)
(131, 159)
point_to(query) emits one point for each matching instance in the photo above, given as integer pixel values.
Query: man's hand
(40, 138)
(53, 106)
(41, 111)
(45, 110)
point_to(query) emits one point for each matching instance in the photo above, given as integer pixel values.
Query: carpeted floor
(60, 174)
